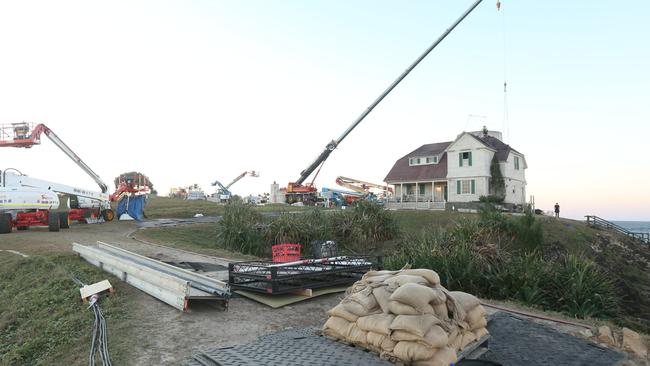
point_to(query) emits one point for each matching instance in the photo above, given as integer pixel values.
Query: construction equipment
(223, 193)
(131, 194)
(26, 201)
(339, 197)
(371, 191)
(306, 193)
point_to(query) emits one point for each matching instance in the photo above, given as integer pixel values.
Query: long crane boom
(23, 138)
(334, 143)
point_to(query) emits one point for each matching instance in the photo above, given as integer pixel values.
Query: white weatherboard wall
(479, 170)
(515, 180)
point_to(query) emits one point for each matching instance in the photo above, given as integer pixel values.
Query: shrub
(363, 225)
(581, 289)
(528, 232)
(297, 228)
(238, 230)
(519, 277)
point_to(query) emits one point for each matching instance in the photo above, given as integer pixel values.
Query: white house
(457, 172)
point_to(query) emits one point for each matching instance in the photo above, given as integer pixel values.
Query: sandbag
(401, 280)
(443, 357)
(380, 341)
(339, 310)
(382, 296)
(357, 335)
(413, 351)
(339, 326)
(378, 323)
(415, 324)
(481, 332)
(441, 311)
(418, 296)
(465, 300)
(478, 325)
(474, 315)
(429, 275)
(435, 337)
(398, 308)
(377, 279)
(364, 298)
(468, 337)
(378, 273)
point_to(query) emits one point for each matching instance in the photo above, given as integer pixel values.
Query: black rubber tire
(22, 228)
(108, 215)
(6, 223)
(64, 220)
(53, 223)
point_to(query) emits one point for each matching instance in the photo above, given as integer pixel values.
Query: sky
(196, 91)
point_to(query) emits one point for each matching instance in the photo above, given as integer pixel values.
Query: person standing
(557, 210)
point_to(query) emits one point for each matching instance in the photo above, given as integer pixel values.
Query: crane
(306, 193)
(223, 192)
(364, 188)
(27, 201)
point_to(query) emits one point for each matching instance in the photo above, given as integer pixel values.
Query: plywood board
(278, 301)
(95, 288)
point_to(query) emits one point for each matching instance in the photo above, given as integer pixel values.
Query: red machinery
(85, 205)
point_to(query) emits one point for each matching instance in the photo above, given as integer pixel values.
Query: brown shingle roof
(502, 148)
(402, 172)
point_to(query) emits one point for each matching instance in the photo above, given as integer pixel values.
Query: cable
(100, 330)
(506, 122)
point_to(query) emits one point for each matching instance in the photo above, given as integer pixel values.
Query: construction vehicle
(131, 194)
(223, 193)
(27, 201)
(339, 197)
(371, 191)
(299, 191)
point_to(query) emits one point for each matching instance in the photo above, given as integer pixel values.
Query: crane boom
(359, 185)
(334, 143)
(252, 173)
(23, 138)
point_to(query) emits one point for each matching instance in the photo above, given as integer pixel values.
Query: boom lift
(361, 186)
(306, 193)
(26, 201)
(223, 193)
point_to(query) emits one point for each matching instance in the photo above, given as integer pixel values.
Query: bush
(581, 289)
(528, 232)
(297, 228)
(520, 277)
(363, 225)
(238, 230)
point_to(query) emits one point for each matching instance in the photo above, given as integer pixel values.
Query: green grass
(42, 319)
(417, 221)
(199, 238)
(163, 207)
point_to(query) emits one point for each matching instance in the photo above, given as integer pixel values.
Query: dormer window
(516, 163)
(424, 160)
(465, 158)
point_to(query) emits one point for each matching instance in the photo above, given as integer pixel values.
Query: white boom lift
(27, 201)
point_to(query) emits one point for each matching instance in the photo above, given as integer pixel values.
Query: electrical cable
(506, 122)
(100, 330)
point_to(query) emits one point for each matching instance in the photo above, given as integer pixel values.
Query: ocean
(635, 226)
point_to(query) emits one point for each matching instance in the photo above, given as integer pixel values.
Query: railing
(597, 221)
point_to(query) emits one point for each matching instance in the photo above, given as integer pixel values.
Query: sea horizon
(634, 226)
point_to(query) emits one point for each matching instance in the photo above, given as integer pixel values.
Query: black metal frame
(263, 277)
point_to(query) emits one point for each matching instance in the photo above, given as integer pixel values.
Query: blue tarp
(133, 206)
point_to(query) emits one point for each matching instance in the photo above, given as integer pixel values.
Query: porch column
(417, 192)
(401, 195)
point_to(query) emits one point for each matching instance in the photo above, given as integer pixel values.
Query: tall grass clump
(528, 231)
(519, 277)
(363, 225)
(238, 230)
(581, 289)
(301, 228)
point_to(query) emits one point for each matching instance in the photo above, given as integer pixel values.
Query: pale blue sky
(200, 90)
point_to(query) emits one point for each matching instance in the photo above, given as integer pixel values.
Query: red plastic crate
(285, 253)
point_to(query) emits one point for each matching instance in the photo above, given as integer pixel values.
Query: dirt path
(165, 335)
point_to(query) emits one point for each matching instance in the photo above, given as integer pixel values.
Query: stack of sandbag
(474, 324)
(407, 316)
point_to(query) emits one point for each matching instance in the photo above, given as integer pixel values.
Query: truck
(26, 201)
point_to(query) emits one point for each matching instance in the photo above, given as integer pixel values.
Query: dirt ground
(165, 335)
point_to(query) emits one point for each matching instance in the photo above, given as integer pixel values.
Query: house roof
(403, 172)
(502, 149)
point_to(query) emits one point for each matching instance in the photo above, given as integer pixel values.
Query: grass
(163, 207)
(43, 321)
(198, 238)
